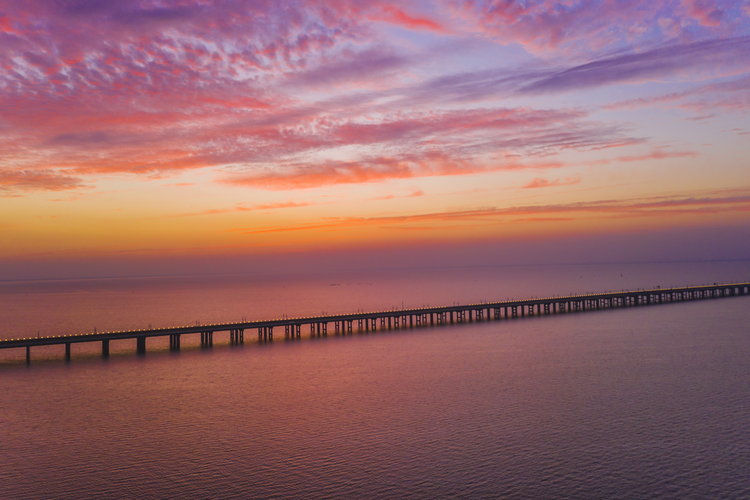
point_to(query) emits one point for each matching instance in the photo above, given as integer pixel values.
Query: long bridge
(397, 318)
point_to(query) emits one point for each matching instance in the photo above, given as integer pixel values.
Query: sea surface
(634, 403)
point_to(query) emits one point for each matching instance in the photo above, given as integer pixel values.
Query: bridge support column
(105, 348)
(140, 343)
(389, 323)
(67, 351)
(432, 319)
(28, 355)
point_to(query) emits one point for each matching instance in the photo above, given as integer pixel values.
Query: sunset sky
(196, 132)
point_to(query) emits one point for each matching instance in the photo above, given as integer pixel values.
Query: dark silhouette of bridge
(397, 318)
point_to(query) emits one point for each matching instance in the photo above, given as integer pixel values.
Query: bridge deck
(551, 305)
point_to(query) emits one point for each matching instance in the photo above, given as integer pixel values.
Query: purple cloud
(649, 65)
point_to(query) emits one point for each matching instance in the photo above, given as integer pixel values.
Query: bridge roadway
(396, 318)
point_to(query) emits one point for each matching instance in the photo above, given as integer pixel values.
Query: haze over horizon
(146, 137)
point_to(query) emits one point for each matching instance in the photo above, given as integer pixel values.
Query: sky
(148, 137)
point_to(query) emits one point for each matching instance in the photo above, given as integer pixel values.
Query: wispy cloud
(731, 95)
(632, 208)
(541, 183)
(578, 26)
(45, 180)
(244, 208)
(649, 65)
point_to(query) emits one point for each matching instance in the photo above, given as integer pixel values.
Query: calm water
(652, 402)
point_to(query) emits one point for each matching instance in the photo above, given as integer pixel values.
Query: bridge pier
(105, 348)
(28, 355)
(67, 351)
(140, 344)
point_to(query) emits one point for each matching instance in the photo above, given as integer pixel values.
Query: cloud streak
(31, 180)
(650, 65)
(636, 208)
(543, 183)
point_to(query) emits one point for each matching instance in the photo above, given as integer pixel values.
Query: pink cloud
(547, 26)
(46, 180)
(707, 12)
(540, 183)
(397, 16)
